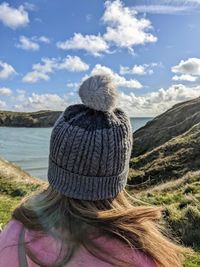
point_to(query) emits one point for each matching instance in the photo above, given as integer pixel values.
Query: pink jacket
(46, 249)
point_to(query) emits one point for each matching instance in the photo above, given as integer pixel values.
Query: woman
(85, 217)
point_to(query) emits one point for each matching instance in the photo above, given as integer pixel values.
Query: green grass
(193, 261)
(181, 205)
(180, 200)
(15, 184)
(11, 195)
(7, 205)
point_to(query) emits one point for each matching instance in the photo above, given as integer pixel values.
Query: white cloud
(5, 91)
(147, 105)
(93, 44)
(43, 39)
(27, 44)
(124, 29)
(6, 70)
(136, 69)
(185, 77)
(47, 66)
(20, 97)
(190, 66)
(168, 6)
(119, 80)
(42, 70)
(2, 104)
(35, 76)
(73, 85)
(161, 9)
(31, 43)
(42, 102)
(73, 64)
(139, 69)
(154, 103)
(13, 17)
(36, 101)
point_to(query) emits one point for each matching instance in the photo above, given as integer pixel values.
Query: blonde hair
(78, 220)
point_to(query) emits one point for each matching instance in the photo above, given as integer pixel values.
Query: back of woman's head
(78, 222)
(89, 155)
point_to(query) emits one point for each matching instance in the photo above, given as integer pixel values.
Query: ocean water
(29, 147)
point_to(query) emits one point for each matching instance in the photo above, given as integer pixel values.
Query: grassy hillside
(175, 121)
(169, 175)
(14, 185)
(181, 202)
(168, 161)
(181, 206)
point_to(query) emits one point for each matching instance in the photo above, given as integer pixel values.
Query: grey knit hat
(91, 144)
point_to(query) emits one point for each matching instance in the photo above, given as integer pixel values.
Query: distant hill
(43, 118)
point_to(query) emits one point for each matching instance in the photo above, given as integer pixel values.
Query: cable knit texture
(90, 149)
(99, 92)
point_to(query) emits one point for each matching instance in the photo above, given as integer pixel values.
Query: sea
(29, 147)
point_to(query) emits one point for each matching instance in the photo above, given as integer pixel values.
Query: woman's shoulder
(126, 253)
(8, 244)
(10, 233)
(40, 246)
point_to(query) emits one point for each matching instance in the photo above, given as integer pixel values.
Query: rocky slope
(175, 121)
(167, 147)
(43, 118)
(169, 161)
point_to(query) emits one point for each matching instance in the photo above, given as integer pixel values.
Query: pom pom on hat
(99, 92)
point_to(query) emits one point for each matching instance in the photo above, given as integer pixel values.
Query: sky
(149, 48)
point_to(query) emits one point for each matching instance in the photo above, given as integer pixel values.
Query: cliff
(167, 147)
(165, 168)
(174, 122)
(43, 118)
(169, 161)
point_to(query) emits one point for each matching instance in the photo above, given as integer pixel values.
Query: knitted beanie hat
(90, 145)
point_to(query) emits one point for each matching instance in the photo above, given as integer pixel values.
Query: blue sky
(150, 48)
